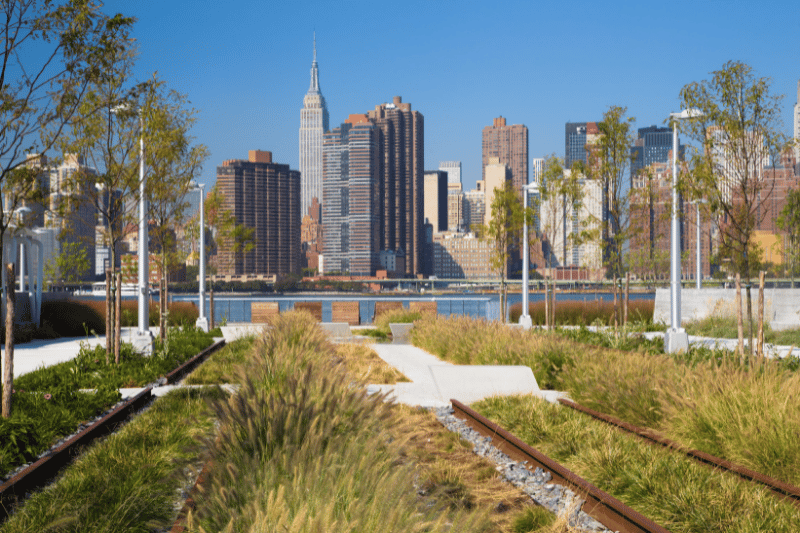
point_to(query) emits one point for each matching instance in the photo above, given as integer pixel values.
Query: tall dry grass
(301, 449)
(585, 313)
(743, 414)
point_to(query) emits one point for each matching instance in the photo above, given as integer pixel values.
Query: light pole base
(202, 323)
(143, 342)
(676, 340)
(525, 321)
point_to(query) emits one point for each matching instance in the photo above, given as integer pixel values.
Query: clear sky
(245, 65)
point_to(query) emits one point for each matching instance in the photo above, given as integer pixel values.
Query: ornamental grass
(662, 484)
(585, 312)
(300, 448)
(745, 414)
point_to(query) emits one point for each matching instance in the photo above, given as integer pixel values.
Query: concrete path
(434, 382)
(770, 350)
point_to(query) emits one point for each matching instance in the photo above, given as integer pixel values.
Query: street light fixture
(202, 321)
(525, 319)
(675, 338)
(143, 341)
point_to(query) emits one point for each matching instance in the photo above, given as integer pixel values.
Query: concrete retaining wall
(781, 306)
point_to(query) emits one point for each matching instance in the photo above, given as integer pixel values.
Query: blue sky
(245, 64)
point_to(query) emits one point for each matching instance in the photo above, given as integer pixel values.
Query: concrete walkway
(38, 353)
(770, 350)
(434, 382)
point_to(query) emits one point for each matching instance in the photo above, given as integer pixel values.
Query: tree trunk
(739, 321)
(627, 298)
(8, 365)
(760, 346)
(211, 304)
(553, 305)
(118, 319)
(614, 290)
(109, 317)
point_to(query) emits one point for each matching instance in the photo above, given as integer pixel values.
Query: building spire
(314, 88)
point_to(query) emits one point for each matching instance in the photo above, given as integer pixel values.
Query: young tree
(504, 232)
(221, 224)
(789, 221)
(70, 265)
(561, 195)
(51, 53)
(740, 129)
(173, 162)
(609, 162)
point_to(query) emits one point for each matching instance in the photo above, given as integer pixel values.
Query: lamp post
(675, 338)
(525, 318)
(143, 341)
(202, 321)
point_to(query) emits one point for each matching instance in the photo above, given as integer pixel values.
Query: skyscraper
(402, 162)
(265, 197)
(510, 145)
(654, 145)
(313, 124)
(576, 136)
(351, 201)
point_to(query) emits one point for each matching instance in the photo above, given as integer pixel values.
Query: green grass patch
(223, 365)
(129, 481)
(721, 326)
(47, 403)
(672, 490)
(89, 370)
(40, 418)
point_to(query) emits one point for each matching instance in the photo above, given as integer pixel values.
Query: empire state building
(313, 123)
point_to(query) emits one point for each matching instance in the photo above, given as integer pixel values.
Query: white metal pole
(202, 305)
(525, 253)
(143, 259)
(675, 246)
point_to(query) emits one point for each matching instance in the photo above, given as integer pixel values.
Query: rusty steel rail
(601, 506)
(44, 470)
(780, 488)
(47, 468)
(177, 374)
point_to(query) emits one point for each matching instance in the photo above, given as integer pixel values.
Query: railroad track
(601, 506)
(781, 489)
(44, 470)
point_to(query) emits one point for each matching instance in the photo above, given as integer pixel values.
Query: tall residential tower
(313, 124)
(510, 145)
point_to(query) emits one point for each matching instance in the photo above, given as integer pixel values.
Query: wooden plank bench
(346, 312)
(262, 312)
(315, 308)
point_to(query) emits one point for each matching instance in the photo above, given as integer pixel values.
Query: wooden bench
(424, 308)
(346, 312)
(262, 312)
(315, 308)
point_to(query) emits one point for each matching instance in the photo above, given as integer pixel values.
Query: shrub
(584, 313)
(72, 318)
(395, 316)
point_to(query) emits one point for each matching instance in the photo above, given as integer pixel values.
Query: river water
(236, 307)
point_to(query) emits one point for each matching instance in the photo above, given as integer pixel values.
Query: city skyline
(585, 58)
